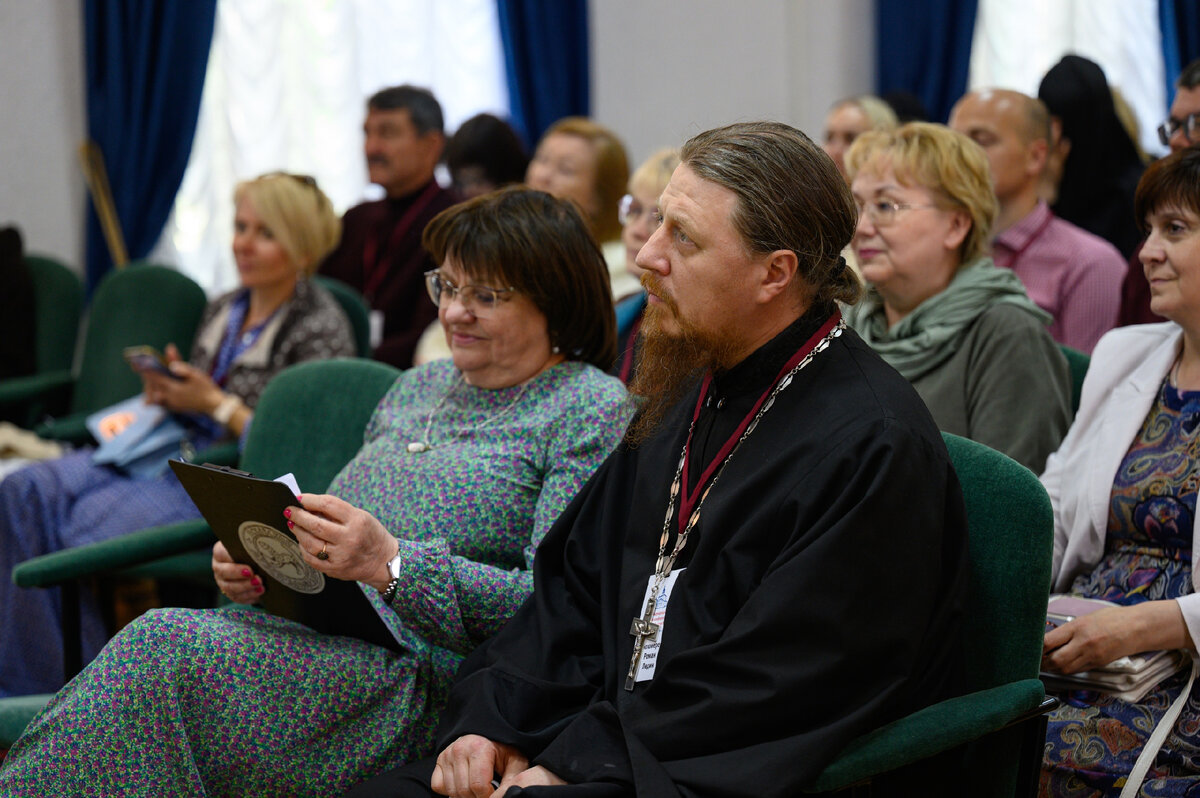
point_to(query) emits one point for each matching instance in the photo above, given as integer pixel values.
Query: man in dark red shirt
(380, 252)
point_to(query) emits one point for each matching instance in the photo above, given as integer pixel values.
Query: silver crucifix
(642, 629)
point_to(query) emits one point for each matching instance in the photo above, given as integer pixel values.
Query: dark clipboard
(247, 513)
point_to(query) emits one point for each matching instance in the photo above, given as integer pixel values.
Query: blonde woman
(938, 310)
(283, 226)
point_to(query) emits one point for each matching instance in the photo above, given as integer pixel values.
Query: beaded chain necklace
(643, 628)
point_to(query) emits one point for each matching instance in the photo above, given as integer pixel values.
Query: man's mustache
(378, 160)
(652, 284)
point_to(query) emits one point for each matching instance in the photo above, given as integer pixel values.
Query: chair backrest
(1011, 529)
(140, 304)
(355, 308)
(1078, 363)
(58, 305)
(311, 417)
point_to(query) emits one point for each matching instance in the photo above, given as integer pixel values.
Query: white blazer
(1127, 368)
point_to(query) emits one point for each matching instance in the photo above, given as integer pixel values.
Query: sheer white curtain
(286, 89)
(1017, 41)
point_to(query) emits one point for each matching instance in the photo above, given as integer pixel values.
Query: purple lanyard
(234, 343)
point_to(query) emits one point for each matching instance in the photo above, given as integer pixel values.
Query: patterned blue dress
(1094, 739)
(240, 702)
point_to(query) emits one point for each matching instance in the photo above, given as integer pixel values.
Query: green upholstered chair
(140, 304)
(58, 300)
(309, 421)
(1078, 363)
(356, 310)
(987, 742)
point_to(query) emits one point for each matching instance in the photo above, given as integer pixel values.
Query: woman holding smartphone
(283, 226)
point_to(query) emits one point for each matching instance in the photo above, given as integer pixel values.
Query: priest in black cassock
(808, 580)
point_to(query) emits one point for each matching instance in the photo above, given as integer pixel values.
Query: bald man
(1070, 273)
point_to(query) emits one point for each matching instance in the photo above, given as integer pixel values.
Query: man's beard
(669, 363)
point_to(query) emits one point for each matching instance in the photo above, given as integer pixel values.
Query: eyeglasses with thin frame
(1190, 125)
(630, 210)
(306, 180)
(883, 212)
(480, 300)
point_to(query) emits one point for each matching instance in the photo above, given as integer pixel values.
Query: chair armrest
(932, 730)
(112, 555)
(70, 429)
(34, 386)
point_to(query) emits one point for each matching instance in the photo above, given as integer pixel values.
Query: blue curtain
(145, 63)
(924, 47)
(1180, 24)
(546, 53)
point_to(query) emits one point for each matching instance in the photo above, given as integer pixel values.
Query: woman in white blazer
(1124, 485)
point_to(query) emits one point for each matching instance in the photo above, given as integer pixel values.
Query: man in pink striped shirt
(1072, 274)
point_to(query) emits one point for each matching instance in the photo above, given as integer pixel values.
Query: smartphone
(147, 358)
(1055, 620)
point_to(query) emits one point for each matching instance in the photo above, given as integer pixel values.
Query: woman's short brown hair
(612, 171)
(540, 246)
(297, 213)
(1170, 182)
(948, 164)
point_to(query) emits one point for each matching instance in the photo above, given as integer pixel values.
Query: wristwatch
(393, 567)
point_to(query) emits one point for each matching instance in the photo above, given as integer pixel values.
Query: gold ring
(322, 554)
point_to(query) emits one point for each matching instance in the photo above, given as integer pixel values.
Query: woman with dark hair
(464, 466)
(1123, 487)
(485, 154)
(1097, 163)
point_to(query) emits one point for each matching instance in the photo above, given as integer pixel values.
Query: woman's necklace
(426, 443)
(644, 628)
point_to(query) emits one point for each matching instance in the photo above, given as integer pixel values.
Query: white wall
(662, 71)
(42, 107)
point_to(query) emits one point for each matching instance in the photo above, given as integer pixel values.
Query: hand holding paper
(356, 544)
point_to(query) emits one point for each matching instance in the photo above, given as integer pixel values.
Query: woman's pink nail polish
(246, 572)
(300, 498)
(291, 525)
(258, 589)
(287, 513)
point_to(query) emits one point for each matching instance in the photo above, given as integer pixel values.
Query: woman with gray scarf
(959, 328)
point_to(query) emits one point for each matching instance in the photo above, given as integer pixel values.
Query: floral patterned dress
(1094, 739)
(239, 702)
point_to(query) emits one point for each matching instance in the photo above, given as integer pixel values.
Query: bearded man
(772, 564)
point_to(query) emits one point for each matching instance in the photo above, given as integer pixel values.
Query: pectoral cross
(641, 630)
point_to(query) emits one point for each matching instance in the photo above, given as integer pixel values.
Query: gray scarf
(928, 337)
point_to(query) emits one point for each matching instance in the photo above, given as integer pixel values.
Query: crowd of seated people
(977, 251)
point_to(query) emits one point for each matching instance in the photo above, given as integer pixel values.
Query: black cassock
(822, 597)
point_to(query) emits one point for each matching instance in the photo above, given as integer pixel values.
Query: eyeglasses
(1190, 125)
(630, 210)
(883, 212)
(306, 180)
(480, 300)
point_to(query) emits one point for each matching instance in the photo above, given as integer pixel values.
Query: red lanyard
(375, 266)
(688, 501)
(627, 356)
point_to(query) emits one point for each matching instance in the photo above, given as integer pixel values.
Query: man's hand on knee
(470, 765)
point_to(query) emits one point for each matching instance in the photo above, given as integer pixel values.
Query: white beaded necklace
(424, 445)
